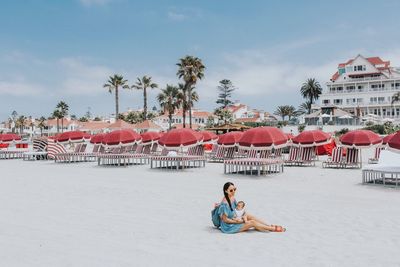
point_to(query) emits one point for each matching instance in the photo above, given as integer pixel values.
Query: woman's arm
(227, 220)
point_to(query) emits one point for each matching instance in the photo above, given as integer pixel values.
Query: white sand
(84, 215)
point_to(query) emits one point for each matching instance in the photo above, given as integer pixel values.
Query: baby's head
(240, 205)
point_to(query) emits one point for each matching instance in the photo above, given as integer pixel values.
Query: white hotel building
(363, 86)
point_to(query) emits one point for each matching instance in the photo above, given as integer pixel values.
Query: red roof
(335, 76)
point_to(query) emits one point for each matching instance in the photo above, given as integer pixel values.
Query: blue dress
(228, 228)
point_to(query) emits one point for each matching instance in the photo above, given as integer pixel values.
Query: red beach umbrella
(230, 139)
(121, 137)
(394, 142)
(7, 138)
(386, 139)
(209, 136)
(178, 138)
(97, 139)
(360, 139)
(71, 136)
(312, 138)
(150, 137)
(263, 138)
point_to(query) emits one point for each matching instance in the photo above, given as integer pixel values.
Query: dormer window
(360, 68)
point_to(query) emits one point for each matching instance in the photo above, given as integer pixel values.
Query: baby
(240, 213)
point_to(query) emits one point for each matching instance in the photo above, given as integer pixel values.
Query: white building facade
(363, 86)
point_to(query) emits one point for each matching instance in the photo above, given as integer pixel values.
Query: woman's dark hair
(226, 186)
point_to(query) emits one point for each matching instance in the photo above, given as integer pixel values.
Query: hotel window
(326, 101)
(359, 100)
(337, 101)
(373, 100)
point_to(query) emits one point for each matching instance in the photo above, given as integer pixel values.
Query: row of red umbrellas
(259, 138)
(7, 138)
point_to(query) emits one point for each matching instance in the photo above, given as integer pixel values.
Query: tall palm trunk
(58, 125)
(170, 120)
(144, 103)
(190, 106)
(62, 124)
(116, 103)
(184, 105)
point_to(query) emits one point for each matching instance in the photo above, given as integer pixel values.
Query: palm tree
(182, 96)
(169, 101)
(114, 83)
(311, 90)
(20, 123)
(63, 108)
(57, 114)
(304, 108)
(190, 69)
(142, 84)
(291, 111)
(41, 124)
(281, 111)
(396, 98)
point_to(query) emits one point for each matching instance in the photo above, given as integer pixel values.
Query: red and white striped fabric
(229, 152)
(147, 149)
(352, 155)
(293, 153)
(252, 154)
(220, 152)
(139, 149)
(164, 152)
(337, 154)
(154, 147)
(306, 153)
(265, 154)
(278, 152)
(54, 148)
(378, 150)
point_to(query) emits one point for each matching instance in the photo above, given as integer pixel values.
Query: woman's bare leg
(251, 217)
(256, 225)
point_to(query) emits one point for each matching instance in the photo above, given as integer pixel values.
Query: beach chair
(293, 156)
(252, 153)
(139, 149)
(352, 158)
(264, 154)
(39, 152)
(219, 155)
(154, 148)
(230, 151)
(377, 154)
(146, 149)
(306, 157)
(336, 160)
(278, 153)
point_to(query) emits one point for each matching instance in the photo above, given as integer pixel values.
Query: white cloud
(19, 88)
(89, 3)
(258, 74)
(81, 78)
(176, 16)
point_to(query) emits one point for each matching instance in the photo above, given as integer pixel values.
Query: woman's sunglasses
(232, 190)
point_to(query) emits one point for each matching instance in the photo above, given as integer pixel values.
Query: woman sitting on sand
(228, 223)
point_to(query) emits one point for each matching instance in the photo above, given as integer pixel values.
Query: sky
(66, 49)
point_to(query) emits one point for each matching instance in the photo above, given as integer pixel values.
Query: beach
(85, 215)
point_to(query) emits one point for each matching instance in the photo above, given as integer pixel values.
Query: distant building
(242, 113)
(199, 118)
(363, 86)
